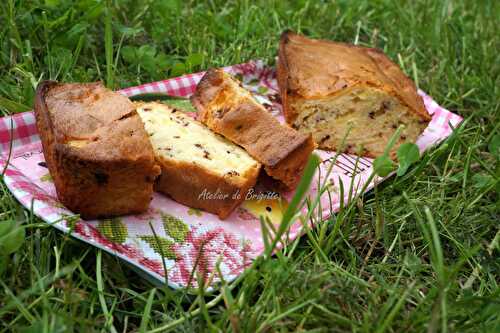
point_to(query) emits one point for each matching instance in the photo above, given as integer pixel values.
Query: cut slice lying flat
(199, 168)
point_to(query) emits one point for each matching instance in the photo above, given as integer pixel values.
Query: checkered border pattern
(21, 126)
(441, 118)
(179, 86)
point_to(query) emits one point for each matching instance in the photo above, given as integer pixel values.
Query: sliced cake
(338, 91)
(199, 168)
(230, 110)
(96, 149)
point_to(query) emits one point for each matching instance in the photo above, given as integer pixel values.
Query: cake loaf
(230, 110)
(337, 91)
(96, 149)
(199, 168)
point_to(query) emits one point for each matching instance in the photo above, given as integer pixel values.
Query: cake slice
(336, 91)
(230, 110)
(96, 149)
(199, 168)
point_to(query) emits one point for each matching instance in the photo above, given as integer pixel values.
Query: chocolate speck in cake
(101, 178)
(323, 139)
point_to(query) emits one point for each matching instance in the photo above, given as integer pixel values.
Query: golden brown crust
(309, 68)
(96, 149)
(290, 169)
(282, 77)
(231, 111)
(197, 187)
(207, 90)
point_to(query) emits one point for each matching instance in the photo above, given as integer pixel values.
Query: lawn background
(421, 253)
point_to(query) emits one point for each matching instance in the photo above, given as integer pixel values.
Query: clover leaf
(11, 240)
(383, 165)
(407, 154)
(6, 227)
(494, 146)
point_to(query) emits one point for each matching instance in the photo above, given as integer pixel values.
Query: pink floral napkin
(171, 241)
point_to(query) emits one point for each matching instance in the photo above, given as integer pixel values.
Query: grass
(420, 253)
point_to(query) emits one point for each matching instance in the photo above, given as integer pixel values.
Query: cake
(199, 168)
(342, 93)
(96, 149)
(230, 110)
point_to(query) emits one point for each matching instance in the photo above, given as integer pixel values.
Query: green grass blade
(108, 46)
(100, 290)
(147, 312)
(294, 205)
